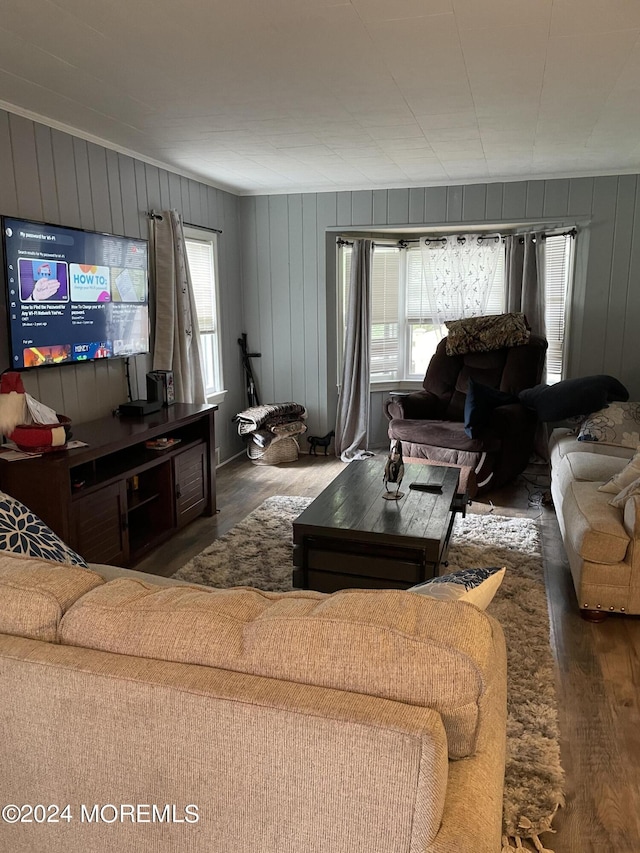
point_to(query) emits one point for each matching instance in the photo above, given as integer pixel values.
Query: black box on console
(139, 408)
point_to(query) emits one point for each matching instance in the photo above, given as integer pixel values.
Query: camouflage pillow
(483, 334)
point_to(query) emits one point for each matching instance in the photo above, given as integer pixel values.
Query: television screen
(73, 295)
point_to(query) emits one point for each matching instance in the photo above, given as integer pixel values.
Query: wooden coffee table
(351, 537)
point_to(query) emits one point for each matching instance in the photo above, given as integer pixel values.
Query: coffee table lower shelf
(328, 565)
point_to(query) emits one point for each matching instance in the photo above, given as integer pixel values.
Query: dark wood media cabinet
(115, 500)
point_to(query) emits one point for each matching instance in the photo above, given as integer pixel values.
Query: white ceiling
(262, 96)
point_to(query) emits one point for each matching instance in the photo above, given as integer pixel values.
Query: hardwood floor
(598, 666)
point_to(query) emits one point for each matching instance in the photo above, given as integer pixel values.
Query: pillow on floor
(628, 492)
(22, 532)
(477, 586)
(621, 480)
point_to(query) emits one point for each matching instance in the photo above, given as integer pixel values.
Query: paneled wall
(51, 176)
(289, 272)
(277, 264)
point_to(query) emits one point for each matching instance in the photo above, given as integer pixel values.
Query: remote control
(425, 487)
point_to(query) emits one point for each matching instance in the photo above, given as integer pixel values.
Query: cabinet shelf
(134, 503)
(94, 475)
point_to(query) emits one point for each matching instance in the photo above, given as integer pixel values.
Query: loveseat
(602, 542)
(283, 722)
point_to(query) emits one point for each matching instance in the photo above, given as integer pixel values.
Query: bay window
(405, 329)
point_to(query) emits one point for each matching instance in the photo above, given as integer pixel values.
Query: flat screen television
(73, 295)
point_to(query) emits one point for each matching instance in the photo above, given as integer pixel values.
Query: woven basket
(283, 450)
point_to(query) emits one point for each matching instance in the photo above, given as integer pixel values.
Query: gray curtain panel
(525, 278)
(352, 421)
(177, 339)
(525, 292)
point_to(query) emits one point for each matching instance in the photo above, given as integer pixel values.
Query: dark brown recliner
(430, 423)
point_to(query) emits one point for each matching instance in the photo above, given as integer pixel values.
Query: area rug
(258, 552)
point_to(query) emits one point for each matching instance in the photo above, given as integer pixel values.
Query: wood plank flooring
(598, 666)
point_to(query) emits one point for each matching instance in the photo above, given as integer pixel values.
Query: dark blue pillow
(480, 403)
(573, 397)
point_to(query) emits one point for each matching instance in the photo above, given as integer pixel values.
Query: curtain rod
(402, 244)
(152, 214)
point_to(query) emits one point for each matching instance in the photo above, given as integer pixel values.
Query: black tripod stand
(252, 391)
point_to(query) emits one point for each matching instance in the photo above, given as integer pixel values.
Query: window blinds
(558, 252)
(201, 266)
(385, 285)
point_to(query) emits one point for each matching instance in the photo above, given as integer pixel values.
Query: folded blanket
(254, 418)
(263, 437)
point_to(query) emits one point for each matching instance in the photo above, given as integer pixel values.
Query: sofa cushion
(595, 529)
(618, 424)
(35, 593)
(621, 479)
(593, 467)
(631, 489)
(22, 532)
(446, 434)
(564, 441)
(383, 643)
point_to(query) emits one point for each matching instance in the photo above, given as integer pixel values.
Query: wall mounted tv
(73, 295)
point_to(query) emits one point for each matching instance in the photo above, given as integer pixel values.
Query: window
(403, 339)
(558, 274)
(202, 256)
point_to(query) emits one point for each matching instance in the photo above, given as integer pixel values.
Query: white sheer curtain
(177, 339)
(457, 274)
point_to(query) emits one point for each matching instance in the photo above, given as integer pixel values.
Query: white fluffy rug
(257, 552)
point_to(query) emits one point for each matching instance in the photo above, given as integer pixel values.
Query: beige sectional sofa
(602, 542)
(285, 722)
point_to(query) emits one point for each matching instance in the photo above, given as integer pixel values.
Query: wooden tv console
(115, 500)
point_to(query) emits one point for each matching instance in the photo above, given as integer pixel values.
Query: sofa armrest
(421, 405)
(631, 521)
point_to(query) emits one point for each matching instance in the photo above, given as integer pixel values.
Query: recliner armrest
(421, 405)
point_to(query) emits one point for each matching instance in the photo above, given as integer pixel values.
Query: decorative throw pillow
(477, 586)
(22, 532)
(620, 499)
(572, 397)
(482, 334)
(618, 425)
(480, 401)
(621, 480)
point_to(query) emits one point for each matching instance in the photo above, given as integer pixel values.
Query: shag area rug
(258, 552)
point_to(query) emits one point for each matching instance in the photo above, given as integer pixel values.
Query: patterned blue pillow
(477, 586)
(22, 532)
